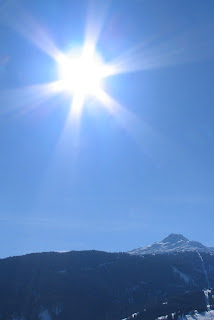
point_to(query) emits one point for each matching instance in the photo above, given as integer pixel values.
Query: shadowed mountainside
(97, 285)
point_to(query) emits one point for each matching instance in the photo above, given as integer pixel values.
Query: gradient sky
(113, 185)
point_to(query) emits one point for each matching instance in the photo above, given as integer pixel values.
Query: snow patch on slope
(182, 275)
(208, 315)
(166, 317)
(204, 269)
(206, 295)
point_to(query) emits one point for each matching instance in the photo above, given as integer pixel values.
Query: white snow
(162, 243)
(206, 295)
(204, 269)
(173, 243)
(135, 314)
(208, 315)
(165, 317)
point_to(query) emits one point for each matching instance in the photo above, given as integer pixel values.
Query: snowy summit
(172, 243)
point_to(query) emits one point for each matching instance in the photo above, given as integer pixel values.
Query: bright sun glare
(81, 74)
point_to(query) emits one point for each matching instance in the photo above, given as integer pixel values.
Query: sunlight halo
(81, 74)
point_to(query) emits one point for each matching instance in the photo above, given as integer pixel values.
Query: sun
(81, 74)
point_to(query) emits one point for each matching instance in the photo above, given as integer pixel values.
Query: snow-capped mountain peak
(172, 243)
(173, 237)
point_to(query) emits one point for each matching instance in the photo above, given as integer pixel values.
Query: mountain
(189, 306)
(202, 300)
(98, 285)
(207, 315)
(172, 243)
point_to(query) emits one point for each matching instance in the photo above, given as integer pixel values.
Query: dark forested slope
(96, 285)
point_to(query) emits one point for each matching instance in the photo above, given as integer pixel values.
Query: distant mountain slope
(172, 243)
(97, 285)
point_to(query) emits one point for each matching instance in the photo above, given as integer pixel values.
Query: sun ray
(25, 99)
(138, 58)
(125, 118)
(143, 134)
(17, 18)
(96, 16)
(183, 48)
(74, 116)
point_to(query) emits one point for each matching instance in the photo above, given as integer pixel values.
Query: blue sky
(113, 185)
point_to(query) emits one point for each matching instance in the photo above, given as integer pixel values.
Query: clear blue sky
(109, 187)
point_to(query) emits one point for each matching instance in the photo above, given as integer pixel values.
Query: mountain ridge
(172, 243)
(103, 286)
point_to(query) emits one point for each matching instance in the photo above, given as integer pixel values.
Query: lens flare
(81, 74)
